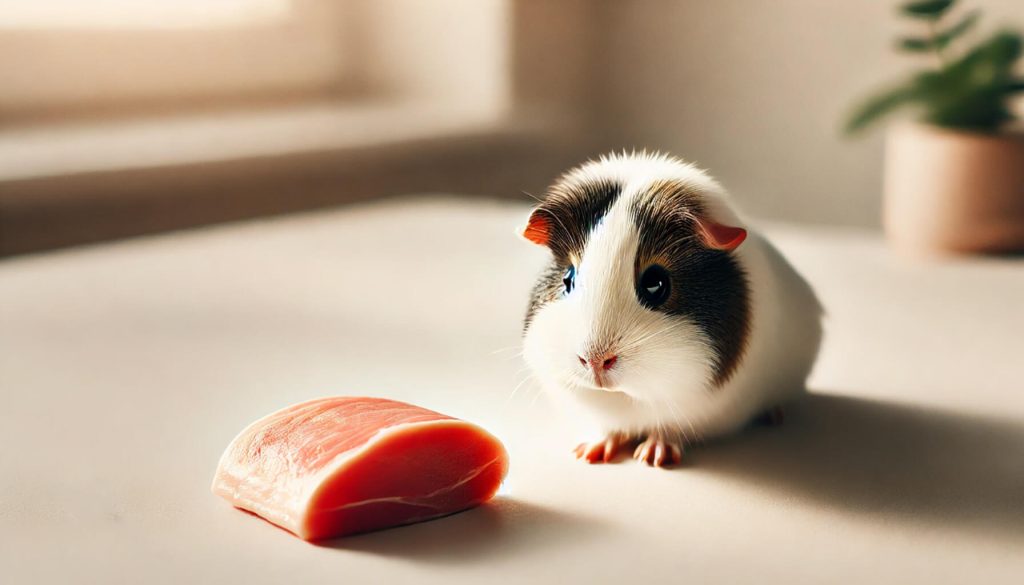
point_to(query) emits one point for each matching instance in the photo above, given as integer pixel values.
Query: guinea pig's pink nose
(599, 361)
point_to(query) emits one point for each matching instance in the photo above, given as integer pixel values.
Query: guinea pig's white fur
(664, 371)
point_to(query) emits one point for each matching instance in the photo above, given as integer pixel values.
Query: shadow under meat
(503, 527)
(876, 458)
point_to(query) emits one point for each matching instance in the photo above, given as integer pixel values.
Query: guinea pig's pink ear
(538, 227)
(721, 237)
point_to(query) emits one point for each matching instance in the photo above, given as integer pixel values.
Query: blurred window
(108, 85)
(48, 14)
(72, 57)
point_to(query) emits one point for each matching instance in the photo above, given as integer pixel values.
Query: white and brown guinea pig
(662, 318)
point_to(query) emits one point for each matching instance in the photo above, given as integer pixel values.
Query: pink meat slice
(343, 465)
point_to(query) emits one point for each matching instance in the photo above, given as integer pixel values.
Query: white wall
(756, 92)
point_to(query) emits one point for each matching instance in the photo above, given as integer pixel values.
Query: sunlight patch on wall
(132, 14)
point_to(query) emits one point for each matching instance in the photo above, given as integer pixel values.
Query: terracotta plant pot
(953, 191)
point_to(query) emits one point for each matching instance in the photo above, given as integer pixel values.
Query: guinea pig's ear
(719, 236)
(538, 227)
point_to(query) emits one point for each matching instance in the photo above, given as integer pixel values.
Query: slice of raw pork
(337, 466)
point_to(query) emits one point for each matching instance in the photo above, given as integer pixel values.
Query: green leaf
(1000, 51)
(916, 44)
(942, 39)
(879, 106)
(982, 111)
(959, 28)
(1005, 47)
(972, 91)
(926, 9)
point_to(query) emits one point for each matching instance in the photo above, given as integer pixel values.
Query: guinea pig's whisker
(693, 431)
(516, 389)
(702, 418)
(509, 348)
(648, 337)
(666, 401)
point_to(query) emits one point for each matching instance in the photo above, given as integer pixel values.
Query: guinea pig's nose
(599, 361)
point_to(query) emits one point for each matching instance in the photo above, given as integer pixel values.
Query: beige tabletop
(125, 369)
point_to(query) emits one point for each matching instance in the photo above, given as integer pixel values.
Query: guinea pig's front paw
(659, 451)
(603, 451)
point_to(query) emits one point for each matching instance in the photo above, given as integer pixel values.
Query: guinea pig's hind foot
(602, 451)
(659, 451)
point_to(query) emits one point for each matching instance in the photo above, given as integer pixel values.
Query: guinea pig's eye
(653, 288)
(569, 278)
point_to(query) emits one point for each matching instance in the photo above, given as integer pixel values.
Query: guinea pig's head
(644, 295)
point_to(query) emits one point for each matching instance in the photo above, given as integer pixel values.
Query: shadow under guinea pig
(869, 457)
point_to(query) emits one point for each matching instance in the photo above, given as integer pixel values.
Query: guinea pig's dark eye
(569, 278)
(653, 288)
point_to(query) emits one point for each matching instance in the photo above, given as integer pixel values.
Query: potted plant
(954, 181)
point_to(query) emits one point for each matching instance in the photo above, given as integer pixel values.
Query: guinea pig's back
(786, 329)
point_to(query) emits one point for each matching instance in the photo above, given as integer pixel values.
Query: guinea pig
(662, 318)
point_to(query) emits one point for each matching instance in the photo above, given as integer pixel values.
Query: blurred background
(120, 118)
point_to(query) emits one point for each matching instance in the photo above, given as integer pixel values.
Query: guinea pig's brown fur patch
(708, 286)
(572, 209)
